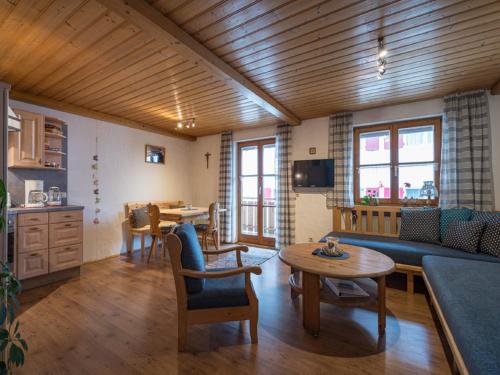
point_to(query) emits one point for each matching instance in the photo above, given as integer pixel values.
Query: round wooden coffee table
(361, 266)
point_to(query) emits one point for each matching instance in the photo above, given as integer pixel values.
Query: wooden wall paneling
(392, 89)
(163, 28)
(145, 78)
(327, 45)
(230, 15)
(18, 22)
(162, 89)
(75, 24)
(309, 28)
(107, 31)
(362, 54)
(143, 47)
(441, 66)
(34, 37)
(38, 100)
(116, 73)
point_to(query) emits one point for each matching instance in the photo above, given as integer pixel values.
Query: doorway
(257, 192)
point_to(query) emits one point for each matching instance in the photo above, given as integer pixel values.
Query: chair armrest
(218, 274)
(227, 250)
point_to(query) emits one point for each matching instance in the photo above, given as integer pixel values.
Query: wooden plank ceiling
(312, 57)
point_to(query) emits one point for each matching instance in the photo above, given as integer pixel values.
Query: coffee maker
(33, 194)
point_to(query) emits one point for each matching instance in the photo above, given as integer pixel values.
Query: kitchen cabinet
(32, 237)
(26, 146)
(32, 264)
(49, 242)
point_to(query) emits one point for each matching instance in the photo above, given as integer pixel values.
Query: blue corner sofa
(463, 289)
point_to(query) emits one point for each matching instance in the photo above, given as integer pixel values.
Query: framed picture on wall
(155, 154)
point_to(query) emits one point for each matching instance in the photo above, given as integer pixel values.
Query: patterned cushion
(452, 214)
(490, 241)
(191, 256)
(419, 224)
(464, 235)
(140, 217)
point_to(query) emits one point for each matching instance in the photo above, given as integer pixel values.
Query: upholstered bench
(466, 297)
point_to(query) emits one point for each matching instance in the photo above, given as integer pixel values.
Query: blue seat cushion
(405, 252)
(191, 256)
(468, 294)
(220, 292)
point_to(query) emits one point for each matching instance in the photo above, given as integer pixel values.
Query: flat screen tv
(313, 173)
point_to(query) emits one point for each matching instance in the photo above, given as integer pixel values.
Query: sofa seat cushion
(467, 293)
(191, 256)
(220, 292)
(405, 252)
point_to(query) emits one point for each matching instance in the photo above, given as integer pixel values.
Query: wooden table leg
(381, 305)
(310, 302)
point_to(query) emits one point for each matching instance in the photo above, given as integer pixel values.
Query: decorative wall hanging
(95, 180)
(155, 154)
(207, 156)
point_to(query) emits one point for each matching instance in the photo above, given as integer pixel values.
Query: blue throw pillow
(191, 256)
(452, 214)
(419, 224)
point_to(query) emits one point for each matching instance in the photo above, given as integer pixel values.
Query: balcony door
(257, 192)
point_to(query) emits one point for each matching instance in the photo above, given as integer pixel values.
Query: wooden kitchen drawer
(64, 216)
(62, 234)
(61, 258)
(33, 237)
(32, 264)
(32, 219)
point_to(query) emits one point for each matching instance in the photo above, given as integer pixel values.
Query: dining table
(189, 215)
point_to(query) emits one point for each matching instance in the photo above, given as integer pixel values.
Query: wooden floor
(119, 317)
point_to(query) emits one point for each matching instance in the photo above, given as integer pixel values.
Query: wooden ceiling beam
(495, 89)
(149, 19)
(65, 107)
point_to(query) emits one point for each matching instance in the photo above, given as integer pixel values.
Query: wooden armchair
(209, 296)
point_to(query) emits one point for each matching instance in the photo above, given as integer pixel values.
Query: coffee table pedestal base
(310, 302)
(314, 292)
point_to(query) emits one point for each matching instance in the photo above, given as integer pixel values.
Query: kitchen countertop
(23, 210)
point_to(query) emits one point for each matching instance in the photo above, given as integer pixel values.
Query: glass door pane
(257, 192)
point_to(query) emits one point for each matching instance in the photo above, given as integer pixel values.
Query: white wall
(123, 175)
(313, 219)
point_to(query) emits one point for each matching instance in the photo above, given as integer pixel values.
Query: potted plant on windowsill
(12, 345)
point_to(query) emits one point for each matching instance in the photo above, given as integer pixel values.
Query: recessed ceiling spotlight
(381, 60)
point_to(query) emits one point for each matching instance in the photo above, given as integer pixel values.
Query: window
(392, 161)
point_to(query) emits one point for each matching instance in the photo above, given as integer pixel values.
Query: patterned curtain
(340, 150)
(466, 170)
(285, 211)
(226, 186)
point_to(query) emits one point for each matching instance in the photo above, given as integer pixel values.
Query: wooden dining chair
(156, 227)
(210, 229)
(209, 296)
